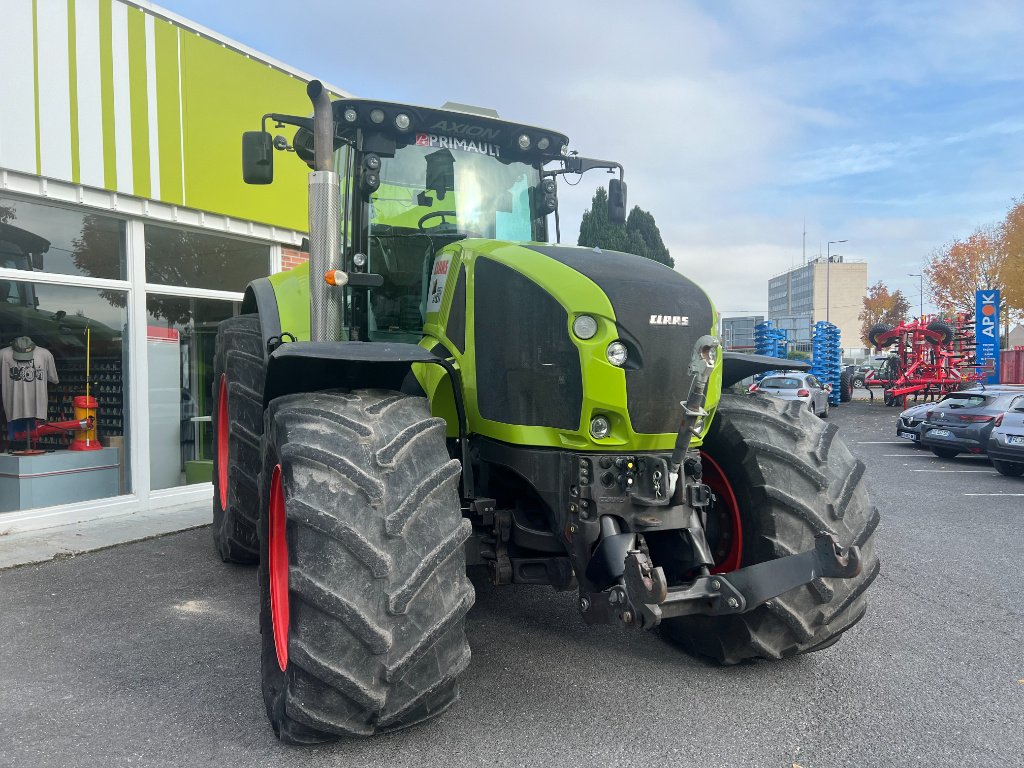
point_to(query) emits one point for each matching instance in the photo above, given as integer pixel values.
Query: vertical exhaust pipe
(324, 222)
(323, 126)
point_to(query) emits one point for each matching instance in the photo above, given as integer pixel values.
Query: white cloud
(734, 120)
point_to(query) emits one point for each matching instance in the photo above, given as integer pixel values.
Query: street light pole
(920, 275)
(828, 275)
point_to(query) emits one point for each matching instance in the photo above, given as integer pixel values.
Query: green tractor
(439, 387)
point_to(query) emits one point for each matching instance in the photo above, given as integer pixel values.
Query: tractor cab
(20, 249)
(414, 180)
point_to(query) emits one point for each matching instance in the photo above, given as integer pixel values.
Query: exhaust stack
(324, 222)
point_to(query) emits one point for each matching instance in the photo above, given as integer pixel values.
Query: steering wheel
(434, 215)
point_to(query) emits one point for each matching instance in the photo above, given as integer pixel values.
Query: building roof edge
(160, 12)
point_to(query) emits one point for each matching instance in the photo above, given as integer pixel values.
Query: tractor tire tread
(782, 510)
(378, 584)
(238, 352)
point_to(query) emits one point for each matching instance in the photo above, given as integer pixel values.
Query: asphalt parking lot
(147, 654)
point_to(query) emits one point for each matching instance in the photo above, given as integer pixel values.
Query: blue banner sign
(986, 332)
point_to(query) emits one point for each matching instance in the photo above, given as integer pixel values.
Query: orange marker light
(336, 277)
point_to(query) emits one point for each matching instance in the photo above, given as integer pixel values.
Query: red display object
(932, 357)
(85, 439)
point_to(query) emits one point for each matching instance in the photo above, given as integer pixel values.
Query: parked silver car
(797, 386)
(1006, 441)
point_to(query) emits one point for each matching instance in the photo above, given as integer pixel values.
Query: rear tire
(846, 384)
(944, 331)
(370, 602)
(944, 453)
(238, 374)
(792, 479)
(875, 331)
(1008, 468)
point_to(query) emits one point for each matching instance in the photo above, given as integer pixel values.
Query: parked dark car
(1006, 441)
(909, 423)
(963, 421)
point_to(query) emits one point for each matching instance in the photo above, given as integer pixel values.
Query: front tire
(792, 479)
(362, 577)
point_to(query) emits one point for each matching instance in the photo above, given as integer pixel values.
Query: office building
(820, 290)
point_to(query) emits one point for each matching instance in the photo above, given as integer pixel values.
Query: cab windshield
(430, 197)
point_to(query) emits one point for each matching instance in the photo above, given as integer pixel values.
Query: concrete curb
(64, 541)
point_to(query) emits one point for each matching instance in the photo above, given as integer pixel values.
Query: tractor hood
(660, 315)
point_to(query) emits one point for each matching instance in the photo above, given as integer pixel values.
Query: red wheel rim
(729, 512)
(278, 557)
(222, 442)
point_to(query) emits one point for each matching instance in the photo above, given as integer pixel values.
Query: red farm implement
(927, 359)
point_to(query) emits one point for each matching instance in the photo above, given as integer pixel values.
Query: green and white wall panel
(130, 99)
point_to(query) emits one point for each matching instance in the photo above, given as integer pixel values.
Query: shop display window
(63, 373)
(181, 334)
(189, 259)
(47, 238)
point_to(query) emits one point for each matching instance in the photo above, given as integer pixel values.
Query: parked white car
(804, 387)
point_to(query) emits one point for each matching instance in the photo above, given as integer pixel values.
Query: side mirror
(616, 201)
(257, 157)
(440, 172)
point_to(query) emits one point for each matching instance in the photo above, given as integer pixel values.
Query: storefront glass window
(63, 358)
(58, 240)
(189, 259)
(181, 334)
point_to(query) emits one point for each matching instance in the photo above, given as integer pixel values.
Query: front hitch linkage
(649, 598)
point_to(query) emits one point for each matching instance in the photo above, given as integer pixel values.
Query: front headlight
(585, 327)
(599, 427)
(617, 353)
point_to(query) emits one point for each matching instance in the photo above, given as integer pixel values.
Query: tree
(642, 224)
(639, 236)
(1011, 271)
(956, 270)
(880, 306)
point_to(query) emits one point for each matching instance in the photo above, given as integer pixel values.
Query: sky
(896, 126)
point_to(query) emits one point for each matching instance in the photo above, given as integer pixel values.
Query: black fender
(311, 366)
(737, 366)
(260, 299)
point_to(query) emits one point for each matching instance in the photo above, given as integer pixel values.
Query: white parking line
(987, 471)
(994, 494)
